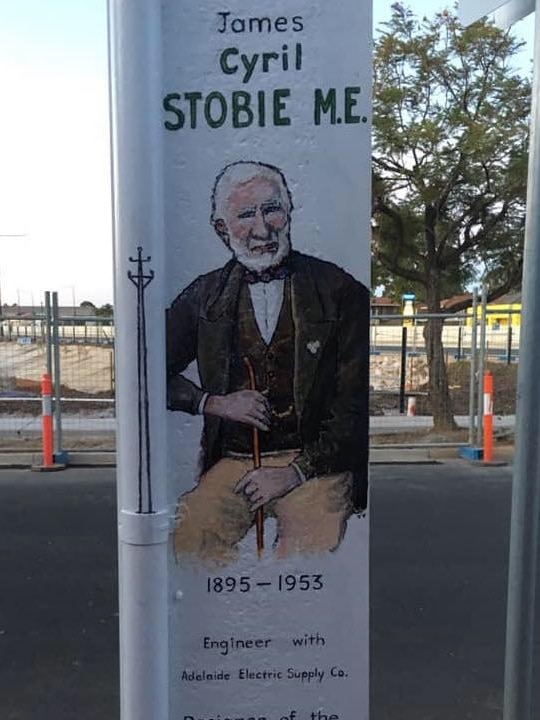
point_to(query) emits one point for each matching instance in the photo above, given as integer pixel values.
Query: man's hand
(262, 485)
(245, 406)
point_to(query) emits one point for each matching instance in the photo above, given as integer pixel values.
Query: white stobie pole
(135, 60)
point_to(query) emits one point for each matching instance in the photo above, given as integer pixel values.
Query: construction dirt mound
(504, 383)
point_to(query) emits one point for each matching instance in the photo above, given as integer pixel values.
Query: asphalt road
(439, 574)
(58, 596)
(438, 583)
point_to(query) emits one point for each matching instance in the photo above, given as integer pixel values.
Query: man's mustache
(256, 243)
(258, 246)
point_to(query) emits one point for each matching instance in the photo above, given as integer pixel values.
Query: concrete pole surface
(135, 48)
(525, 495)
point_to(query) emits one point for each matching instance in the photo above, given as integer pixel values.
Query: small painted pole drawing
(141, 280)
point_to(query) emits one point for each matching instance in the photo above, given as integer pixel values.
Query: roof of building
(513, 298)
(36, 311)
(385, 301)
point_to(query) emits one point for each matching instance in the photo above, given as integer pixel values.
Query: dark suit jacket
(331, 344)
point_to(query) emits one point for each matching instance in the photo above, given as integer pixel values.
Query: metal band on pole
(525, 495)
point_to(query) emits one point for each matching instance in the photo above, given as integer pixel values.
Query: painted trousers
(212, 519)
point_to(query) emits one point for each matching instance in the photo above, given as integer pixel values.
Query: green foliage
(450, 138)
(105, 310)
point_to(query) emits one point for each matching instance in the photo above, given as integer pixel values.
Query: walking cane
(259, 515)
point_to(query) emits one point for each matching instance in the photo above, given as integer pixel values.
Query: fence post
(60, 454)
(111, 368)
(481, 366)
(472, 377)
(509, 341)
(403, 373)
(374, 337)
(48, 338)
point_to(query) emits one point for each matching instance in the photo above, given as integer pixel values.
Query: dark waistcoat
(274, 372)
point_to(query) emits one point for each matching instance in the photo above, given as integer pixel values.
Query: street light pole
(526, 487)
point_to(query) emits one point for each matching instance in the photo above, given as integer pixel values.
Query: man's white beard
(259, 263)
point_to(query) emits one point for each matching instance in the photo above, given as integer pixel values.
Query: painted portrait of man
(302, 324)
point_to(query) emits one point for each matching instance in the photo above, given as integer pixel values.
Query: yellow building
(502, 312)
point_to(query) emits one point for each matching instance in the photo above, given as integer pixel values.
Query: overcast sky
(54, 147)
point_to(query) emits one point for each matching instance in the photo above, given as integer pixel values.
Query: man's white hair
(239, 173)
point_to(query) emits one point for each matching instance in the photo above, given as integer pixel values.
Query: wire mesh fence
(400, 389)
(86, 359)
(400, 395)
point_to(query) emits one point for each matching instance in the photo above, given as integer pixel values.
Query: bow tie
(279, 272)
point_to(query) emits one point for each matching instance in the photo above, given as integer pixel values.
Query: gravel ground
(504, 381)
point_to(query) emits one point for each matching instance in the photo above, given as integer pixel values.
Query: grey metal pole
(111, 371)
(481, 364)
(509, 339)
(58, 451)
(472, 379)
(48, 332)
(525, 489)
